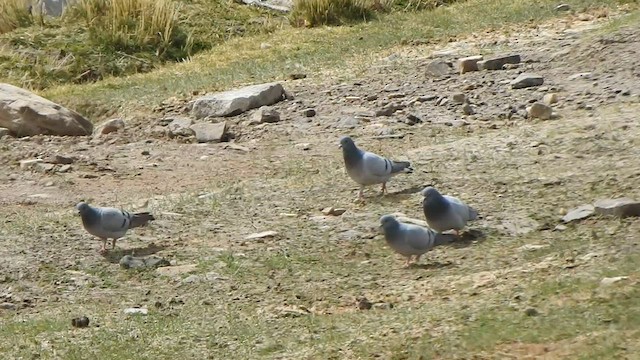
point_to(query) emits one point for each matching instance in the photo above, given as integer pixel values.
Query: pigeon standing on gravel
(444, 212)
(408, 239)
(367, 168)
(110, 223)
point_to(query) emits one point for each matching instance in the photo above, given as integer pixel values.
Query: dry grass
(134, 24)
(14, 14)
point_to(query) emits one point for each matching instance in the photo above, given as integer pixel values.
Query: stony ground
(525, 288)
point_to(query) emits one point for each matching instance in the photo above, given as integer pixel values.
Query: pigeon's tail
(140, 219)
(473, 213)
(443, 239)
(401, 166)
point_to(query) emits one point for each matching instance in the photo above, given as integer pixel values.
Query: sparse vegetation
(100, 38)
(293, 296)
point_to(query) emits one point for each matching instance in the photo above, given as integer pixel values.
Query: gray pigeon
(408, 239)
(110, 223)
(367, 168)
(444, 212)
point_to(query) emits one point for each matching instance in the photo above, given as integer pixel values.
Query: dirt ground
(522, 174)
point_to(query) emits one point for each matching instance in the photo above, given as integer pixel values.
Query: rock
(284, 6)
(525, 80)
(261, 235)
(265, 46)
(333, 211)
(64, 168)
(539, 111)
(347, 123)
(303, 146)
(80, 322)
(459, 98)
(7, 306)
(265, 115)
(237, 101)
(362, 303)
(563, 7)
(131, 262)
(109, 126)
(30, 163)
(531, 312)
(497, 63)
(25, 114)
(413, 119)
(468, 64)
(43, 167)
(467, 109)
(612, 280)
(180, 127)
(62, 160)
(136, 311)
(579, 213)
(584, 75)
(4, 132)
(208, 132)
(382, 306)
(438, 68)
(173, 271)
(620, 207)
(532, 247)
(550, 98)
(309, 112)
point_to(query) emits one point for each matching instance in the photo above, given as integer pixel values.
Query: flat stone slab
(235, 102)
(620, 207)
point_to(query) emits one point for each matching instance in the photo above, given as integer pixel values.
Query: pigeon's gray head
(82, 207)
(388, 222)
(347, 143)
(430, 191)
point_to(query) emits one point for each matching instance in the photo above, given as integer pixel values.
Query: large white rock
(234, 102)
(25, 113)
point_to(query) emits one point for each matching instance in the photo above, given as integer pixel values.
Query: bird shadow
(114, 256)
(467, 238)
(408, 191)
(433, 265)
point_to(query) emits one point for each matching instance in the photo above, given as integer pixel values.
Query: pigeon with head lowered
(110, 223)
(410, 240)
(444, 212)
(366, 168)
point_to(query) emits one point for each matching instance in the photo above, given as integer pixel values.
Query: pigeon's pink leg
(113, 244)
(407, 262)
(361, 194)
(384, 188)
(417, 259)
(104, 246)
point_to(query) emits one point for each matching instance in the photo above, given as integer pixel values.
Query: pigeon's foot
(113, 244)
(407, 262)
(416, 259)
(384, 188)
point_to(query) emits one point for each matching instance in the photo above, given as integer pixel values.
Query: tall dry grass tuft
(14, 14)
(133, 25)
(333, 12)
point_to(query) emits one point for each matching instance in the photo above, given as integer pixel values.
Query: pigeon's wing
(462, 210)
(376, 165)
(114, 220)
(418, 238)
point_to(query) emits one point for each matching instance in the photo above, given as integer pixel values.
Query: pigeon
(409, 239)
(444, 212)
(110, 223)
(366, 168)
